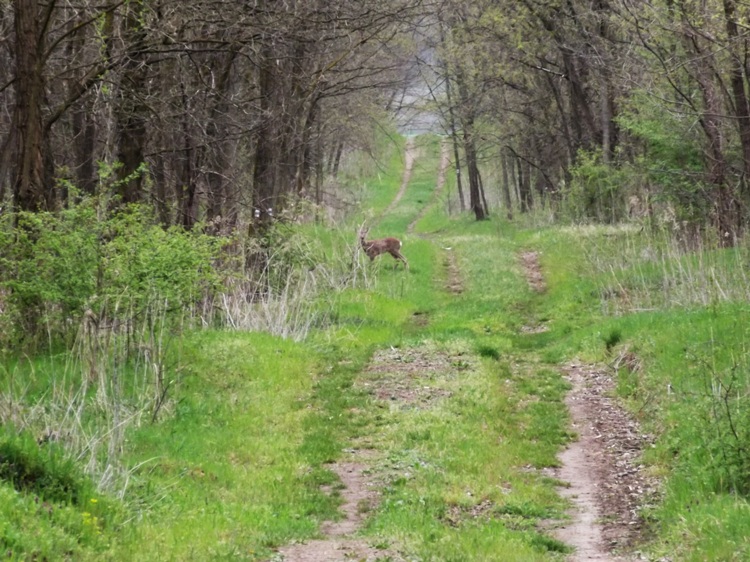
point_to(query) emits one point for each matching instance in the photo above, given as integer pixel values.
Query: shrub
(55, 268)
(596, 190)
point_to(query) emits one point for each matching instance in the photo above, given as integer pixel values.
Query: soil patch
(407, 378)
(411, 154)
(533, 272)
(412, 377)
(454, 283)
(359, 493)
(601, 469)
(602, 466)
(534, 277)
(439, 185)
(606, 482)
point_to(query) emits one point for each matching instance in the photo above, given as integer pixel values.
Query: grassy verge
(672, 324)
(234, 467)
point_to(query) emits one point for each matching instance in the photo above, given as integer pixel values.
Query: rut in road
(604, 481)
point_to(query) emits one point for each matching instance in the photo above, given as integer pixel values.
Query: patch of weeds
(612, 338)
(49, 510)
(526, 510)
(545, 542)
(488, 352)
(628, 385)
(723, 421)
(40, 469)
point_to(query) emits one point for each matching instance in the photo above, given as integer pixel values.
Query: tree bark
(737, 81)
(218, 204)
(32, 183)
(264, 172)
(131, 112)
(454, 140)
(504, 164)
(524, 184)
(475, 194)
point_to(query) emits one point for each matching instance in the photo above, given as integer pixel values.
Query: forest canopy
(233, 112)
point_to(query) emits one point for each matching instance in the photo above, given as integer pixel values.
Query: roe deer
(373, 248)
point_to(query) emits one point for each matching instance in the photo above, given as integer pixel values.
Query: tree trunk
(606, 121)
(504, 164)
(336, 160)
(186, 181)
(215, 153)
(582, 118)
(475, 195)
(84, 131)
(564, 121)
(32, 183)
(737, 80)
(131, 112)
(725, 205)
(264, 172)
(454, 139)
(308, 152)
(524, 184)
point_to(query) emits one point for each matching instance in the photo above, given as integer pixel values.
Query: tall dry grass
(288, 288)
(641, 270)
(115, 379)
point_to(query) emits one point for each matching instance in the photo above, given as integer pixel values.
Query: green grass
(234, 470)
(234, 466)
(691, 390)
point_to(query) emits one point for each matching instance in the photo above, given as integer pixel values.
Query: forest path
(411, 153)
(358, 488)
(339, 543)
(439, 185)
(606, 484)
(603, 481)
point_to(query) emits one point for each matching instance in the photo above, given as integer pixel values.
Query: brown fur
(373, 248)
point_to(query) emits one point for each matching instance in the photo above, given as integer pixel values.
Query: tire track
(602, 478)
(411, 153)
(439, 185)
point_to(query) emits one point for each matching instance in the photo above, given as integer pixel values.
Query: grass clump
(41, 470)
(48, 507)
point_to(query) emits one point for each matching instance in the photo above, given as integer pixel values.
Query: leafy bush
(672, 163)
(143, 260)
(596, 191)
(57, 267)
(48, 266)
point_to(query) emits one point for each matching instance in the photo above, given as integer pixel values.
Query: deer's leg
(397, 255)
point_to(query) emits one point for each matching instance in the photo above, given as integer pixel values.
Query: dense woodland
(217, 112)
(187, 312)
